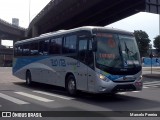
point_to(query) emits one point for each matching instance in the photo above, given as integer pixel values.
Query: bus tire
(71, 85)
(28, 78)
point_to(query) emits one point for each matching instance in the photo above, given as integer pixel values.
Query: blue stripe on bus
(21, 62)
(115, 77)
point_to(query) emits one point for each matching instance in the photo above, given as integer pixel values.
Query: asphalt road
(16, 96)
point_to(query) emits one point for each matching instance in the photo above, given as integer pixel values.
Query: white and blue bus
(90, 59)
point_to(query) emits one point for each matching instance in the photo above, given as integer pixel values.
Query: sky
(9, 9)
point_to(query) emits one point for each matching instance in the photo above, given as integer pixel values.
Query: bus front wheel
(71, 85)
(28, 78)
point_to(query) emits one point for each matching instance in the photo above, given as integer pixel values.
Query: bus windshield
(117, 51)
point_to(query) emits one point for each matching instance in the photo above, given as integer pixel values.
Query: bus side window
(19, 50)
(43, 47)
(16, 51)
(82, 51)
(46, 47)
(55, 46)
(34, 48)
(85, 53)
(69, 44)
(90, 58)
(26, 50)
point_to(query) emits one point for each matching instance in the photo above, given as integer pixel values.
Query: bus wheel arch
(28, 78)
(70, 84)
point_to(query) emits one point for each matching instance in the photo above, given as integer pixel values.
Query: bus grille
(124, 81)
(122, 88)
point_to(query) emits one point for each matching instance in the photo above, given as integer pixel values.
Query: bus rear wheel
(71, 85)
(28, 78)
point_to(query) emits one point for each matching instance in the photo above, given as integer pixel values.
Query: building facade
(6, 56)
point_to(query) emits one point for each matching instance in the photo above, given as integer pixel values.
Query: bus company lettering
(77, 64)
(58, 62)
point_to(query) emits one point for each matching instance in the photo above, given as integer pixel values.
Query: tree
(156, 43)
(142, 41)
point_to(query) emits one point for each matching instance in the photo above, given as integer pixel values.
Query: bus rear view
(117, 62)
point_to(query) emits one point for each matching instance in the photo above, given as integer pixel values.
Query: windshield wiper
(128, 50)
(129, 56)
(119, 48)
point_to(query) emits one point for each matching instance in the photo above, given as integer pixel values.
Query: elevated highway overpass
(11, 32)
(66, 14)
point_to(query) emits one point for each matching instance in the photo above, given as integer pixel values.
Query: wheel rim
(71, 86)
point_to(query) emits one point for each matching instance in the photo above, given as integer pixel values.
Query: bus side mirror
(94, 45)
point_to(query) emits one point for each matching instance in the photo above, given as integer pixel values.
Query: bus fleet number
(58, 62)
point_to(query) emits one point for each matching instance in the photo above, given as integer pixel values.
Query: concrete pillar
(34, 31)
(14, 41)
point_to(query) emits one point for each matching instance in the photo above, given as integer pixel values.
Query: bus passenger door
(82, 71)
(91, 71)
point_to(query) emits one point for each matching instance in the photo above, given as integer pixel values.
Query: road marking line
(136, 91)
(145, 83)
(145, 87)
(152, 84)
(155, 86)
(12, 99)
(34, 97)
(54, 95)
(122, 93)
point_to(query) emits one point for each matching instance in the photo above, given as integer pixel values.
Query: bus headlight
(102, 77)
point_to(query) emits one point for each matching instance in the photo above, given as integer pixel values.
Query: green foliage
(156, 43)
(143, 42)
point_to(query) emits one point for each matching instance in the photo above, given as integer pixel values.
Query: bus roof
(87, 28)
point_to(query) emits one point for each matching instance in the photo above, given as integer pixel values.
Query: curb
(155, 76)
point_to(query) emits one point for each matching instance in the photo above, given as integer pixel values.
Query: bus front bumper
(112, 87)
